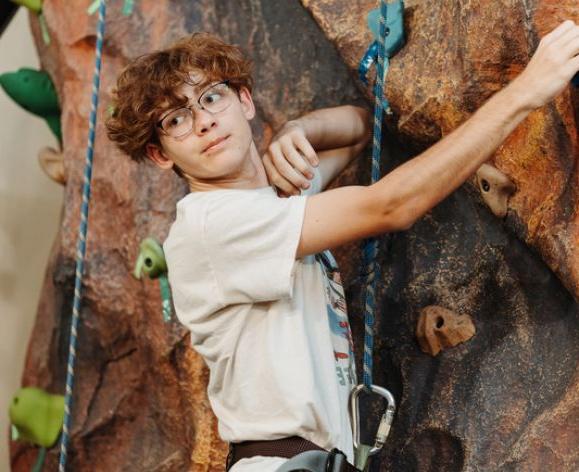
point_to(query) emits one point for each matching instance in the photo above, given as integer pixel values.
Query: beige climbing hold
(52, 163)
(495, 188)
(439, 329)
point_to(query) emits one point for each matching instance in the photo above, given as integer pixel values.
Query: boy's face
(216, 147)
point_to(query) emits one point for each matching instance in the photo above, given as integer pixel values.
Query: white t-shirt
(272, 330)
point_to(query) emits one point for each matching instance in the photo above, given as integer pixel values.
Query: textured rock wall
(504, 400)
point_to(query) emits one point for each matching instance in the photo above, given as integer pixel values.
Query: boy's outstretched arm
(395, 202)
(329, 138)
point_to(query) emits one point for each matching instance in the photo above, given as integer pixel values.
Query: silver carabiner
(385, 421)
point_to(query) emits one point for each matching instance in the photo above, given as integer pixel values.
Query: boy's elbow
(402, 223)
(401, 219)
(407, 224)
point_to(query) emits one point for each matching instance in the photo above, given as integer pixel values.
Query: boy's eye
(211, 98)
(174, 120)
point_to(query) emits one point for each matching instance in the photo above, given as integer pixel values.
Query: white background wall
(30, 205)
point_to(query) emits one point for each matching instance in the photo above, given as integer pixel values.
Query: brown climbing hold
(439, 329)
(52, 163)
(495, 188)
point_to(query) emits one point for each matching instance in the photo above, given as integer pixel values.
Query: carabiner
(385, 421)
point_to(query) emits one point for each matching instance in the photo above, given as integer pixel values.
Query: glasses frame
(193, 105)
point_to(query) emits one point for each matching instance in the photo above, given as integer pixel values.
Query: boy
(250, 272)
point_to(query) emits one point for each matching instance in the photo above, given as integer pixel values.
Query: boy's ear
(156, 154)
(246, 103)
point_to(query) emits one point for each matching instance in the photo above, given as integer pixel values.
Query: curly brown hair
(149, 85)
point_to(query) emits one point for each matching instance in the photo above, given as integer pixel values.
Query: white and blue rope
(81, 246)
(371, 246)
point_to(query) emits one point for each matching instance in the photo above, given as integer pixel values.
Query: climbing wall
(502, 282)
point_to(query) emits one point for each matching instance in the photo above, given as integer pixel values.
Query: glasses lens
(216, 98)
(178, 122)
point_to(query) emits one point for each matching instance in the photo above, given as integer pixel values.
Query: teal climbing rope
(81, 246)
(371, 246)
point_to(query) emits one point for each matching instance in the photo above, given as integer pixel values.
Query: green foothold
(151, 260)
(32, 5)
(34, 91)
(31, 89)
(37, 416)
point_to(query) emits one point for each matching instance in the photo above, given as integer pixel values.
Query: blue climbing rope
(81, 246)
(371, 246)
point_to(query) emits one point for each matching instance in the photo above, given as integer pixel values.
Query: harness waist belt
(286, 447)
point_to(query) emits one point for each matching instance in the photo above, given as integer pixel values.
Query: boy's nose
(203, 121)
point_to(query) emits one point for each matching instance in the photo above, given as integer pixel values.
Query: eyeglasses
(214, 99)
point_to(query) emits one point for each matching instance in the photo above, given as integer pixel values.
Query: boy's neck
(251, 176)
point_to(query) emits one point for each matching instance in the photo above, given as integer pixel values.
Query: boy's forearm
(421, 183)
(331, 128)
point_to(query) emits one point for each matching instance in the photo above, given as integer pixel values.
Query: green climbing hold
(32, 5)
(34, 91)
(37, 416)
(151, 260)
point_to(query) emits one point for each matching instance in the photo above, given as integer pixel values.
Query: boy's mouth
(215, 144)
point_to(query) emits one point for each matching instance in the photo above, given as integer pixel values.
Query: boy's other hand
(552, 67)
(289, 159)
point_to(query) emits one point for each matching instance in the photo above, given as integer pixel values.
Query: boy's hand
(289, 158)
(552, 67)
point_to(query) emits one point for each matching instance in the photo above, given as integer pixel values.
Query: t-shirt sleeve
(251, 238)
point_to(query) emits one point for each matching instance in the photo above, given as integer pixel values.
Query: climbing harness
(81, 248)
(318, 461)
(151, 262)
(303, 455)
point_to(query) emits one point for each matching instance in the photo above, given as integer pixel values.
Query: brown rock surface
(505, 400)
(458, 54)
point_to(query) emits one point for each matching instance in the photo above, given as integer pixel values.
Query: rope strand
(371, 246)
(81, 245)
